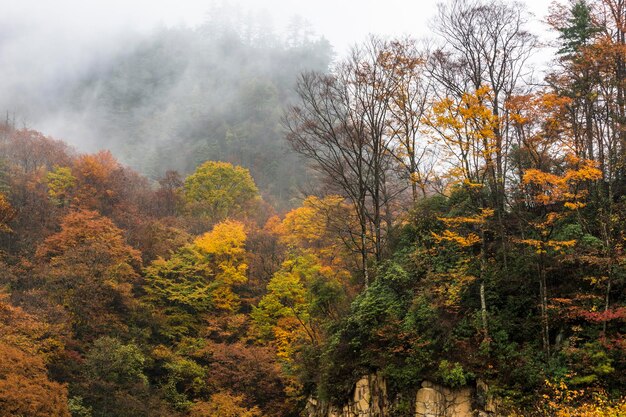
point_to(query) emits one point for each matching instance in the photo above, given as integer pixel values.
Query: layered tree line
(467, 225)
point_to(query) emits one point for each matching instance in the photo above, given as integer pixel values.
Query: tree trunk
(483, 299)
(543, 295)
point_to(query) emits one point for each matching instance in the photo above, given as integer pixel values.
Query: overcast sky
(343, 22)
(46, 42)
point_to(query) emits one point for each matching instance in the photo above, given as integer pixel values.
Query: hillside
(460, 252)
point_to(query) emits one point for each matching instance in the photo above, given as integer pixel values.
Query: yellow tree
(61, 183)
(200, 277)
(224, 246)
(540, 130)
(224, 404)
(556, 195)
(487, 46)
(466, 128)
(219, 190)
(321, 225)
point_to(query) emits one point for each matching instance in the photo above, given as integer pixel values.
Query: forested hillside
(467, 228)
(175, 97)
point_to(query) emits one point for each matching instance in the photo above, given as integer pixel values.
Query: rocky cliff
(370, 399)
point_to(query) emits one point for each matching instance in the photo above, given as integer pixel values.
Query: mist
(167, 85)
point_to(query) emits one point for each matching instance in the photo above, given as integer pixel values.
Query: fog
(165, 84)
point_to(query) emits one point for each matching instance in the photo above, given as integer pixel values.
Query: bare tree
(340, 125)
(406, 65)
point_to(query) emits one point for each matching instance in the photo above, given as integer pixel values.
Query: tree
(25, 347)
(25, 389)
(111, 361)
(7, 213)
(28, 151)
(466, 127)
(89, 268)
(97, 176)
(61, 183)
(26, 157)
(169, 197)
(591, 71)
(200, 277)
(301, 297)
(578, 76)
(225, 247)
(468, 239)
(552, 191)
(486, 49)
(410, 101)
(219, 190)
(114, 381)
(242, 364)
(340, 125)
(322, 226)
(579, 29)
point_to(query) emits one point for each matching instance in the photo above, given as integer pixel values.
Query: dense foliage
(467, 226)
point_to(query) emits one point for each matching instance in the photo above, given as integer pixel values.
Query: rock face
(369, 400)
(431, 400)
(437, 401)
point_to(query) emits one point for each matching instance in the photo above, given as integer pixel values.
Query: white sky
(45, 42)
(343, 22)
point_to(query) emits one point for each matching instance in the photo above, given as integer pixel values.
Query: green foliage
(287, 295)
(580, 28)
(382, 331)
(590, 363)
(112, 361)
(184, 380)
(183, 281)
(452, 374)
(77, 408)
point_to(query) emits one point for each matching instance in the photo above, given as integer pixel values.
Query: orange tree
(90, 269)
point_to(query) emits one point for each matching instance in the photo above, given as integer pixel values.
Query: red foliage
(604, 316)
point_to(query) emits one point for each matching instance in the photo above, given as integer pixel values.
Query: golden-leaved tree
(466, 129)
(200, 277)
(218, 190)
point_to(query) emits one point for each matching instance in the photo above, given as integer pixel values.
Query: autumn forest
(255, 242)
